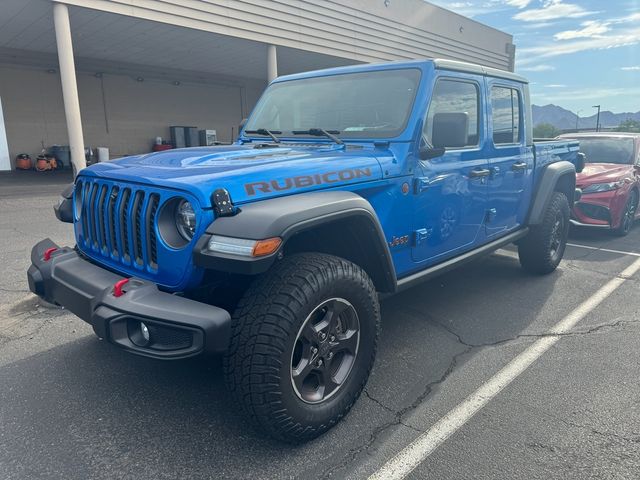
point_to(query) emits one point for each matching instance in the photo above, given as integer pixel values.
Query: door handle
(519, 167)
(479, 172)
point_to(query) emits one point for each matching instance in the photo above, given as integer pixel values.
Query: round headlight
(185, 219)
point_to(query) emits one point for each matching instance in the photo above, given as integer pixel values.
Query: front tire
(541, 251)
(304, 341)
(628, 216)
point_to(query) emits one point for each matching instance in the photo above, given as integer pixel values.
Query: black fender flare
(558, 176)
(64, 208)
(286, 217)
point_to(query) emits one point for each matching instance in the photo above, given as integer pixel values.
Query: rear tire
(303, 343)
(541, 251)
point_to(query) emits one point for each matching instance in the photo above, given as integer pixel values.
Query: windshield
(357, 105)
(608, 150)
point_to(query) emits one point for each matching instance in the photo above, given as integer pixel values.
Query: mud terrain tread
(534, 250)
(262, 324)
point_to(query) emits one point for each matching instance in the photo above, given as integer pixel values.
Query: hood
(248, 173)
(602, 173)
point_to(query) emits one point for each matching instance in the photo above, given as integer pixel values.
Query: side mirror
(450, 130)
(427, 153)
(580, 162)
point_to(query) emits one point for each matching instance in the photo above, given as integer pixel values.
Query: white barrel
(103, 154)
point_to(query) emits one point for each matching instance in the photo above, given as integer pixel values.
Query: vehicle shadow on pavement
(92, 410)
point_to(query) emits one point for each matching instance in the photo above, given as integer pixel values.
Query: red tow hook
(47, 253)
(117, 287)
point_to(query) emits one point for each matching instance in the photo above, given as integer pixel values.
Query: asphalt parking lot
(72, 406)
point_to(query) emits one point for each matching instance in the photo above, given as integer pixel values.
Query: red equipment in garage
(24, 162)
(45, 163)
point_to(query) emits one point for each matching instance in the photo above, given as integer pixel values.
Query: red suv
(610, 181)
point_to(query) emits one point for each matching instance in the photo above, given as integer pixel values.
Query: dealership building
(119, 73)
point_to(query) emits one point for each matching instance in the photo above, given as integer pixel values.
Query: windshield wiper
(265, 132)
(320, 132)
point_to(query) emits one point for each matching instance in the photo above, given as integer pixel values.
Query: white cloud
(594, 94)
(552, 10)
(457, 5)
(556, 86)
(518, 3)
(478, 7)
(634, 17)
(537, 26)
(538, 68)
(622, 38)
(635, 68)
(590, 29)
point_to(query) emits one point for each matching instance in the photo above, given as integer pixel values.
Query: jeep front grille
(119, 223)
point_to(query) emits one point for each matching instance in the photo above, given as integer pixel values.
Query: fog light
(139, 333)
(145, 332)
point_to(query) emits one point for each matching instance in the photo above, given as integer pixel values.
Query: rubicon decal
(306, 180)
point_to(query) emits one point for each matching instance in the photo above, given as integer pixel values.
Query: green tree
(545, 130)
(629, 126)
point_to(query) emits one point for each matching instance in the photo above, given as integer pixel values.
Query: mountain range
(565, 119)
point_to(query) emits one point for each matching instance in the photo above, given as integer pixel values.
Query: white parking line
(633, 254)
(415, 453)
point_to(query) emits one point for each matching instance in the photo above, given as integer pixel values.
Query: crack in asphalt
(14, 290)
(400, 414)
(46, 318)
(577, 268)
(389, 409)
(594, 329)
(635, 438)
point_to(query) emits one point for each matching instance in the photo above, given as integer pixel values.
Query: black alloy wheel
(325, 350)
(541, 251)
(628, 215)
(557, 234)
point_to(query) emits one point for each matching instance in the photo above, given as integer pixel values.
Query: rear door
(451, 190)
(511, 162)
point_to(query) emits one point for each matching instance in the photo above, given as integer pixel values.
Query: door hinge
(421, 236)
(490, 215)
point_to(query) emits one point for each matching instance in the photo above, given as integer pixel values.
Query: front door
(451, 190)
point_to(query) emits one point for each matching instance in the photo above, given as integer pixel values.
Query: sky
(576, 53)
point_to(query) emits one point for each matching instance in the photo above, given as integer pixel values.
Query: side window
(505, 106)
(452, 121)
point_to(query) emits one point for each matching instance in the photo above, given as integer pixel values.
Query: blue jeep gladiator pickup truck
(343, 184)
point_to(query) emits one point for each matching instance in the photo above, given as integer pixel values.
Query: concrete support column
(272, 63)
(69, 85)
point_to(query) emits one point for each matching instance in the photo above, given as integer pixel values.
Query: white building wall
(361, 30)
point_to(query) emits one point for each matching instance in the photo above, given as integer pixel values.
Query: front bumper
(599, 210)
(178, 327)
